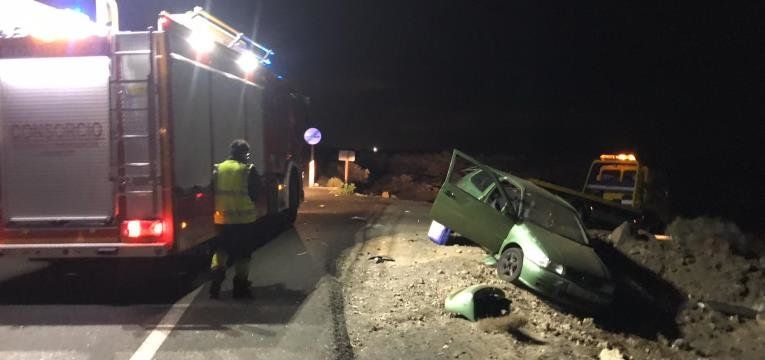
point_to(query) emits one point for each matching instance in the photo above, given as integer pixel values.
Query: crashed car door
(461, 203)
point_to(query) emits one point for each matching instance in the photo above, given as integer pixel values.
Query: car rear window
(552, 216)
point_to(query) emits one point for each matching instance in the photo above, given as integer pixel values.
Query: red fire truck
(108, 138)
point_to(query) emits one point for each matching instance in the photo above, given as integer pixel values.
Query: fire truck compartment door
(54, 138)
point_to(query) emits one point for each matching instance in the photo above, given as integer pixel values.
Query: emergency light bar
(20, 18)
(620, 157)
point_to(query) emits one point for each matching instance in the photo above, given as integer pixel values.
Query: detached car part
(477, 302)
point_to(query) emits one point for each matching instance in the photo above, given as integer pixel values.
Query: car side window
(464, 181)
(469, 177)
(481, 180)
(513, 193)
(496, 200)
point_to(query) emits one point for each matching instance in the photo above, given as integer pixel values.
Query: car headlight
(537, 256)
(559, 269)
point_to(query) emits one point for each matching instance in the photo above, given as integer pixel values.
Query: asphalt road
(89, 311)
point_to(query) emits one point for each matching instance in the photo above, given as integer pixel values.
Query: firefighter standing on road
(236, 183)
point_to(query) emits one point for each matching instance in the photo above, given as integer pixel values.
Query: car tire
(510, 264)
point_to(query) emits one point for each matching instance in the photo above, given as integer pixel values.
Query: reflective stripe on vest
(232, 201)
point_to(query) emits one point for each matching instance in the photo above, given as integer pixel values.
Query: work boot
(241, 289)
(217, 276)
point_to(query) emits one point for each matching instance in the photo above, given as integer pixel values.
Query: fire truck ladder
(134, 123)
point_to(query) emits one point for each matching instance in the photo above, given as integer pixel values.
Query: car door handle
(449, 194)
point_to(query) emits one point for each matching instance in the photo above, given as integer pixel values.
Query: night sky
(681, 83)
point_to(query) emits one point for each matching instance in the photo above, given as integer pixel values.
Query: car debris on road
(477, 302)
(380, 258)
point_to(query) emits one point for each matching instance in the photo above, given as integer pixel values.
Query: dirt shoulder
(395, 308)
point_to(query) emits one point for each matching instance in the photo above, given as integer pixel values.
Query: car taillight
(142, 230)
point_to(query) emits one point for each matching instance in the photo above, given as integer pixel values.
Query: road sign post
(347, 156)
(312, 136)
(346, 170)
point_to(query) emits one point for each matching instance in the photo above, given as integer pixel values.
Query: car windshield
(552, 216)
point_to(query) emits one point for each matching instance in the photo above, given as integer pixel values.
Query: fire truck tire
(294, 198)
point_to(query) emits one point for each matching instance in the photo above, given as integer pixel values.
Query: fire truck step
(134, 136)
(129, 81)
(132, 52)
(130, 109)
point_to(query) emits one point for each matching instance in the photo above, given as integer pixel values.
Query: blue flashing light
(279, 77)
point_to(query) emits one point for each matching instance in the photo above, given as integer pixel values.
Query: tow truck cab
(617, 178)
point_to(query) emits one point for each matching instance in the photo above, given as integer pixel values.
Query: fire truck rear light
(135, 229)
(157, 229)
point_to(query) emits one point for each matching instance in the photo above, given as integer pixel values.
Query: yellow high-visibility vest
(232, 201)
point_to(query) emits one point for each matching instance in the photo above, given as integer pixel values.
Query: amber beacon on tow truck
(109, 137)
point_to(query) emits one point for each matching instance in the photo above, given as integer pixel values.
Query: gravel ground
(394, 309)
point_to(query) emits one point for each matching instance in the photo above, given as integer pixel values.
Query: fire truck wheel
(294, 200)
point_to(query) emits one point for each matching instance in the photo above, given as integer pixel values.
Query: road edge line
(162, 330)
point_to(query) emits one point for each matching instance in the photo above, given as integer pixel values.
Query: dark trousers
(235, 245)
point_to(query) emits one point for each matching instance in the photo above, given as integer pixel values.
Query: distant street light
(374, 149)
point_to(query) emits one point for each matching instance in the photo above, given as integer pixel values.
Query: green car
(536, 237)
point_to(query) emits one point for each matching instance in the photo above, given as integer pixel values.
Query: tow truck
(109, 137)
(615, 191)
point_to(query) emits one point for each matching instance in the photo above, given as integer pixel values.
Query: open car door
(472, 203)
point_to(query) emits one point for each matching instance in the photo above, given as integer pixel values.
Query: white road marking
(151, 344)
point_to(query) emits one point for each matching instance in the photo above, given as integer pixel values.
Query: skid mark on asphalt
(149, 347)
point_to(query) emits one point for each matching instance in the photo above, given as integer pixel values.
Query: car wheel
(510, 264)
